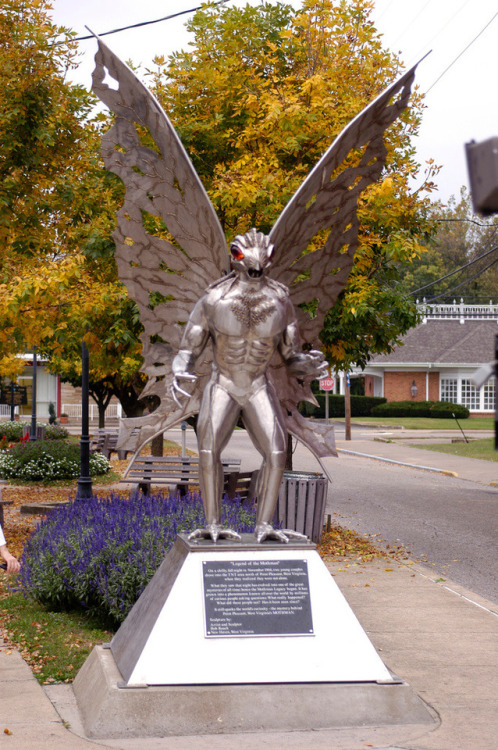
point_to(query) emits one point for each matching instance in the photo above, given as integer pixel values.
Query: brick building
(437, 359)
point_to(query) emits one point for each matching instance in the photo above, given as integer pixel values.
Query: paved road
(449, 524)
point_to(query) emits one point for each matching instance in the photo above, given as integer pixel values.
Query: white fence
(74, 410)
(458, 311)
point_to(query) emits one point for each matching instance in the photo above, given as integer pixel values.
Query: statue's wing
(323, 214)
(323, 211)
(165, 275)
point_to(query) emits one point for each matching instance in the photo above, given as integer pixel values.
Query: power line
(463, 283)
(428, 44)
(462, 52)
(144, 23)
(470, 221)
(462, 268)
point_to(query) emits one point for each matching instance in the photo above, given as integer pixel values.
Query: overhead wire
(145, 23)
(461, 268)
(462, 52)
(449, 292)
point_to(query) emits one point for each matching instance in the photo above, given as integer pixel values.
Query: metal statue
(222, 342)
(248, 317)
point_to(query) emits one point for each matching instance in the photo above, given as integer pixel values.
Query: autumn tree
(258, 99)
(58, 277)
(462, 240)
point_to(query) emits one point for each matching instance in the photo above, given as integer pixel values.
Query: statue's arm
(302, 365)
(194, 340)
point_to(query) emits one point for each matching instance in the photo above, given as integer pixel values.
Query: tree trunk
(157, 445)
(288, 457)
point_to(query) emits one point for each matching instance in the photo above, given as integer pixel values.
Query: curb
(399, 463)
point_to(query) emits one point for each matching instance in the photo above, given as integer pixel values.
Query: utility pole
(347, 407)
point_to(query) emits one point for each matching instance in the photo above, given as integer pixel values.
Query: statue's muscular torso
(247, 323)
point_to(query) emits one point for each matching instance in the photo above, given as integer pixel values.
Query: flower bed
(100, 553)
(12, 431)
(46, 460)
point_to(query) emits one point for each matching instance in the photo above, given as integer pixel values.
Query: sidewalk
(440, 638)
(473, 469)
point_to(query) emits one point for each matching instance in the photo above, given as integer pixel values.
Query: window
(449, 390)
(488, 394)
(470, 396)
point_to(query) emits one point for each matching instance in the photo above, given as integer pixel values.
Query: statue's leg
(217, 418)
(265, 424)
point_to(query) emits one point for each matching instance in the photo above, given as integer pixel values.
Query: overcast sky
(462, 105)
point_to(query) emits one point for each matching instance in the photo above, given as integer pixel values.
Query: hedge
(435, 409)
(361, 406)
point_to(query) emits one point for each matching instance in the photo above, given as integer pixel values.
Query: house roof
(445, 342)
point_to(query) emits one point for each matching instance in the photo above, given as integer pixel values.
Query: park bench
(105, 441)
(177, 472)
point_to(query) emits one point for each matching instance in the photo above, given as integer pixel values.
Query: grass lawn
(474, 449)
(427, 423)
(54, 644)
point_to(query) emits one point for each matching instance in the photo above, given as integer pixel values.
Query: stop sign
(327, 384)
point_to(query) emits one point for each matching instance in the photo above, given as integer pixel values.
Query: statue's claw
(264, 531)
(214, 531)
(175, 388)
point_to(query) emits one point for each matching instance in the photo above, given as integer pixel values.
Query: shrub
(446, 410)
(12, 431)
(437, 409)
(55, 432)
(47, 460)
(361, 406)
(100, 553)
(403, 409)
(52, 417)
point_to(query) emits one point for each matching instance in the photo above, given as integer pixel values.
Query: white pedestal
(164, 641)
(164, 674)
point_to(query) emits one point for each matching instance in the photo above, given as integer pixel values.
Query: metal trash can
(301, 503)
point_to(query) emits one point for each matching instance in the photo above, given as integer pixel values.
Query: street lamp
(32, 435)
(84, 490)
(413, 390)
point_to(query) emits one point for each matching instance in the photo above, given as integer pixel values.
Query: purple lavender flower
(99, 554)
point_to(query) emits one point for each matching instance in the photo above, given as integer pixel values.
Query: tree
(58, 277)
(460, 238)
(257, 101)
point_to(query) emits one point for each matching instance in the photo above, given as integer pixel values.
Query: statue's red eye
(237, 253)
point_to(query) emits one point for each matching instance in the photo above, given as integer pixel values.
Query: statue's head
(251, 254)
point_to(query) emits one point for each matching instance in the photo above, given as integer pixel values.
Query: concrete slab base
(109, 711)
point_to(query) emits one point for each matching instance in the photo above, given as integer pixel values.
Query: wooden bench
(242, 484)
(105, 442)
(174, 471)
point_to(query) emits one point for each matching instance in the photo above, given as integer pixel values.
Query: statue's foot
(214, 531)
(264, 531)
